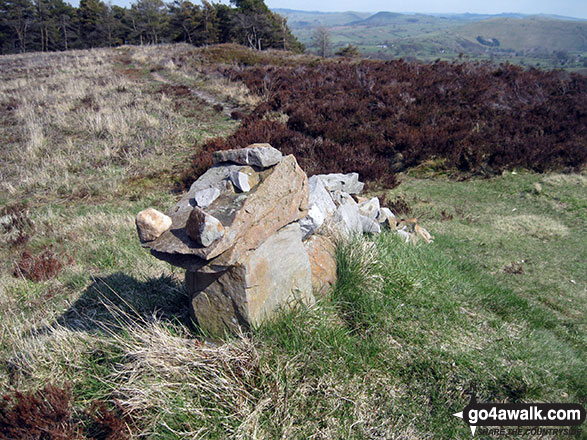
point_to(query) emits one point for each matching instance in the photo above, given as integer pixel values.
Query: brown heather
(381, 117)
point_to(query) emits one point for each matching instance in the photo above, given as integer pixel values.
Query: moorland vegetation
(379, 118)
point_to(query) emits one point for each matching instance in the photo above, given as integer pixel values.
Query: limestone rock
(205, 197)
(260, 155)
(369, 226)
(311, 222)
(321, 251)
(404, 234)
(276, 275)
(244, 179)
(340, 198)
(321, 207)
(370, 208)
(151, 224)
(386, 217)
(344, 222)
(249, 219)
(203, 228)
(348, 183)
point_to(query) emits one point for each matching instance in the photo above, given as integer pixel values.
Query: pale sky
(571, 8)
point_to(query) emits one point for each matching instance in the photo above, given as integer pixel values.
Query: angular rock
(215, 177)
(321, 207)
(340, 198)
(424, 234)
(311, 222)
(276, 275)
(203, 228)
(249, 219)
(244, 179)
(205, 197)
(360, 199)
(369, 226)
(151, 224)
(344, 222)
(348, 183)
(321, 251)
(386, 217)
(404, 234)
(260, 155)
(370, 208)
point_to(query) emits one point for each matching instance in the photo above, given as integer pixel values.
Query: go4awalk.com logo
(535, 415)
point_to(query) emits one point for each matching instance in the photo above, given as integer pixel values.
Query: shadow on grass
(115, 301)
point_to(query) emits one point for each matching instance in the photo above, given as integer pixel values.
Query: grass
(390, 353)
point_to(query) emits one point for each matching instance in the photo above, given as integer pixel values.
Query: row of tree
(54, 25)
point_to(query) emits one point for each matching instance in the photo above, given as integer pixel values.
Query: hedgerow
(378, 118)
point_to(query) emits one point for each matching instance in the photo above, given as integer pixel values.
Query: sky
(570, 8)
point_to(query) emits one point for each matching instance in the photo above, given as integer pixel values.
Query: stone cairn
(255, 235)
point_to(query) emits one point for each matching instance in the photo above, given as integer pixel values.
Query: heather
(379, 118)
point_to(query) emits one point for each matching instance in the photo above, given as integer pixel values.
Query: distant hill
(518, 38)
(304, 19)
(531, 33)
(379, 19)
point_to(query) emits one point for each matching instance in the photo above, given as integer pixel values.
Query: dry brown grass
(80, 123)
(539, 226)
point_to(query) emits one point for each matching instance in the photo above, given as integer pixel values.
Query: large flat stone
(276, 275)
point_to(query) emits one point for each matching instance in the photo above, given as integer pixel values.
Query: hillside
(302, 19)
(528, 40)
(530, 34)
(96, 341)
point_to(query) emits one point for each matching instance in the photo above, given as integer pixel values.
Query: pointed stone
(370, 208)
(369, 226)
(321, 207)
(387, 218)
(205, 197)
(203, 228)
(244, 179)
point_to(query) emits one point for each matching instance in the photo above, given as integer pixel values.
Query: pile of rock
(255, 235)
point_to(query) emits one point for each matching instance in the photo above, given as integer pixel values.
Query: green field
(498, 301)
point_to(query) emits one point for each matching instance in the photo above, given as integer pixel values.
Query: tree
(182, 21)
(89, 16)
(348, 51)
(17, 18)
(149, 21)
(321, 38)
